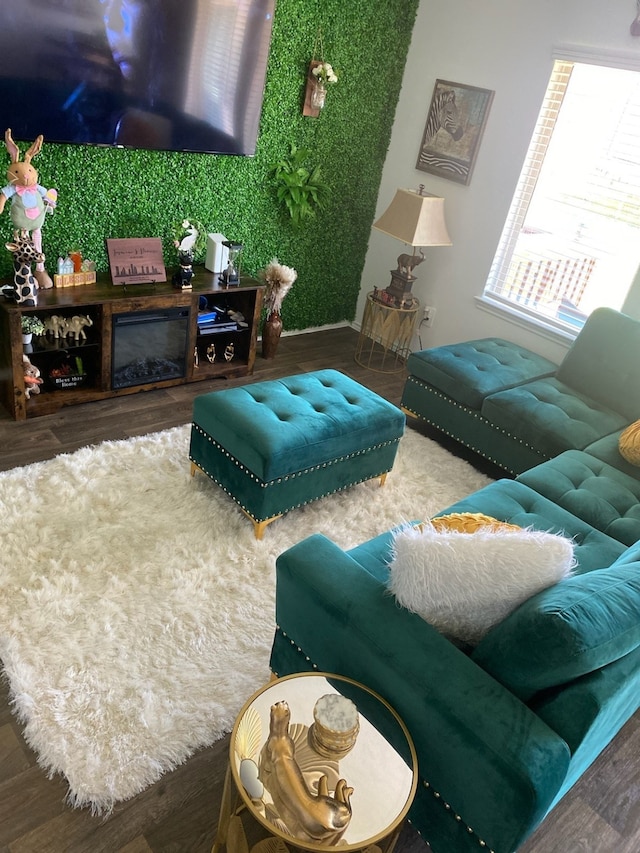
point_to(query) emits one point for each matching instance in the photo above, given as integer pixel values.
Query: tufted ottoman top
(281, 426)
(470, 371)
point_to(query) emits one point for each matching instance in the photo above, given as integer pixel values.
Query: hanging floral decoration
(320, 75)
(324, 73)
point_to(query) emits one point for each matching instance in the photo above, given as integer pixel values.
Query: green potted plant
(31, 325)
(302, 190)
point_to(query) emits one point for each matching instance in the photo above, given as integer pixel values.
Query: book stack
(214, 322)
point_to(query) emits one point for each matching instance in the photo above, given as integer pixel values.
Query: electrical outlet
(427, 316)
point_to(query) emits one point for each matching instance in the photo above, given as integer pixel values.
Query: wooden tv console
(102, 302)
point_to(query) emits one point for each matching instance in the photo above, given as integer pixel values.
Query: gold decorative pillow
(470, 522)
(629, 443)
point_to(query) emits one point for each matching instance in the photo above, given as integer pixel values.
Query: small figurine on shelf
(65, 266)
(55, 325)
(183, 275)
(189, 239)
(29, 201)
(74, 326)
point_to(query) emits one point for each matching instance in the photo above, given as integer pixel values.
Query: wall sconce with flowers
(320, 74)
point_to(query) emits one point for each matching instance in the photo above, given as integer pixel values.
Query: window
(571, 239)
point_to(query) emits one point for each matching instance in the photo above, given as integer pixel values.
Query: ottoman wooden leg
(383, 479)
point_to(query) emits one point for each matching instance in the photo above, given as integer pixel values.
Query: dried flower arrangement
(279, 280)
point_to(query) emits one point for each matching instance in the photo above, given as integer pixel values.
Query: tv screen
(176, 75)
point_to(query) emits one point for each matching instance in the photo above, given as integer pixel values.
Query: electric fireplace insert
(149, 346)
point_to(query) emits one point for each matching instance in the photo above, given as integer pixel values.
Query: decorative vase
(318, 95)
(271, 331)
(26, 337)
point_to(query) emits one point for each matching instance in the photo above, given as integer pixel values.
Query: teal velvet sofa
(502, 730)
(518, 409)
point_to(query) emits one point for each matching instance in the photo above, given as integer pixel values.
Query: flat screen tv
(176, 75)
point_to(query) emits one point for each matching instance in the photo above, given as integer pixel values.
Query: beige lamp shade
(417, 220)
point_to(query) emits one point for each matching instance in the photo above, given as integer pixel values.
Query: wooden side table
(385, 337)
(381, 768)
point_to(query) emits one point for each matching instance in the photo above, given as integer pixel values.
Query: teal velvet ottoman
(277, 445)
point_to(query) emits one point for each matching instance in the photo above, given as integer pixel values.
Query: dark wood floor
(179, 813)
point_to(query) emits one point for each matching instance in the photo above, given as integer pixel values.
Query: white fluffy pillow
(465, 583)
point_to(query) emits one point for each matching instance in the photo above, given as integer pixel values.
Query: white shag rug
(137, 608)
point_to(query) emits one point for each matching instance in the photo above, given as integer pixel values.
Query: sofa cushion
(608, 450)
(470, 371)
(465, 583)
(601, 495)
(565, 631)
(629, 443)
(613, 381)
(551, 416)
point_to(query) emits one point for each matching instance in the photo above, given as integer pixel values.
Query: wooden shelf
(101, 302)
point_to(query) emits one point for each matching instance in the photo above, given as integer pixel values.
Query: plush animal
(24, 255)
(29, 200)
(32, 381)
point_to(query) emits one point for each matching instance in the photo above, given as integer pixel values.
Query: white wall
(506, 46)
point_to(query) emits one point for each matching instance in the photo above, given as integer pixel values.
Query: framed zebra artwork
(455, 124)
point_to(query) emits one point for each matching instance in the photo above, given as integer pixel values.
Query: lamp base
(400, 287)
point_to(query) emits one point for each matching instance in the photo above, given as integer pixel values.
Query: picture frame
(136, 260)
(453, 130)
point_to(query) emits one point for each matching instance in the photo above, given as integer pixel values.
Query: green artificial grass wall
(132, 193)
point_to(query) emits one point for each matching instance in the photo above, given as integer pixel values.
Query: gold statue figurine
(314, 817)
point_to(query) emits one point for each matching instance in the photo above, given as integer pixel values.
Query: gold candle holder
(335, 726)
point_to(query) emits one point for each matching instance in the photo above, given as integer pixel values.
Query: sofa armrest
(486, 753)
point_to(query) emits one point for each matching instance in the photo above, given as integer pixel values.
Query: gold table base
(384, 343)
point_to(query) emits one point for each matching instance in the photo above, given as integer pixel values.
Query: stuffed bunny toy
(29, 200)
(32, 380)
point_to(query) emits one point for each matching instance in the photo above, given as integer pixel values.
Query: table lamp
(417, 219)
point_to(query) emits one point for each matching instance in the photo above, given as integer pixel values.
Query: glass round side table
(366, 792)
(384, 343)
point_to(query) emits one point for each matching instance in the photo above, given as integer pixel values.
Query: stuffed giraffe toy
(24, 255)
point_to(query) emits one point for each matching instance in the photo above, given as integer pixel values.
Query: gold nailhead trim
(447, 806)
(476, 415)
(425, 784)
(264, 484)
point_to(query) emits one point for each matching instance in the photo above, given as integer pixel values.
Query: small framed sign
(136, 260)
